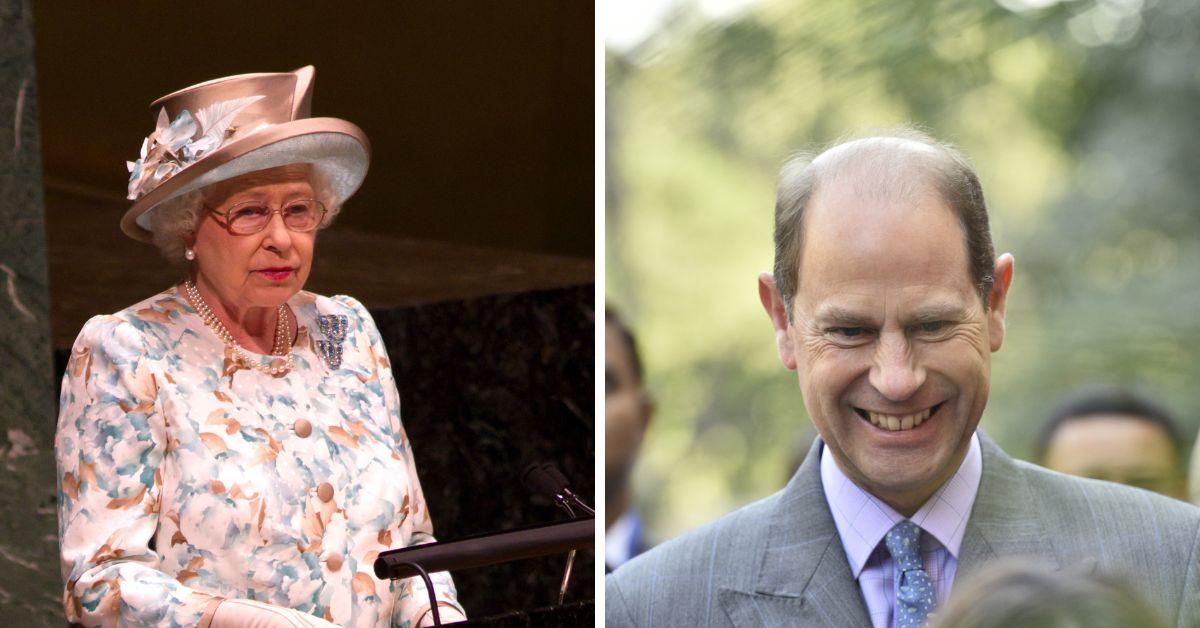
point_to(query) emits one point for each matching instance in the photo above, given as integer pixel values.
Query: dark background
(480, 114)
(488, 386)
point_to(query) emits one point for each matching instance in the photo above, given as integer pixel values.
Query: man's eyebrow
(940, 312)
(839, 315)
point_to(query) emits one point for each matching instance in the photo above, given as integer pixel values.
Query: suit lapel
(1004, 521)
(804, 578)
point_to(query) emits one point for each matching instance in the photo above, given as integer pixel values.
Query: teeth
(899, 422)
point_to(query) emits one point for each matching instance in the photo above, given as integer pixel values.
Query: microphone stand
(562, 587)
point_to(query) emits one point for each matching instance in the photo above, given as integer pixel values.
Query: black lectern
(486, 549)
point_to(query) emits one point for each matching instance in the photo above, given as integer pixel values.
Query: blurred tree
(1079, 117)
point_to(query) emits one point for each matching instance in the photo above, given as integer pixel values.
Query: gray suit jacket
(779, 561)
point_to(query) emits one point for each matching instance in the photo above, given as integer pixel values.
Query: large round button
(334, 561)
(325, 491)
(303, 428)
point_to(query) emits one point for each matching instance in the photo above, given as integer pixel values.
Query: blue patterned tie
(915, 599)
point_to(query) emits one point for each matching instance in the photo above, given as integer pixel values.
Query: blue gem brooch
(333, 328)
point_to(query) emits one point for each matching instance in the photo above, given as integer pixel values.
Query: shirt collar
(862, 520)
(621, 538)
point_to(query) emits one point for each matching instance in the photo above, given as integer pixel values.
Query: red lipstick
(278, 273)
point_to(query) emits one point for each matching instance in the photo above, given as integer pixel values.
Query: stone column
(30, 584)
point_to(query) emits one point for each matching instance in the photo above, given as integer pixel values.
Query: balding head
(899, 165)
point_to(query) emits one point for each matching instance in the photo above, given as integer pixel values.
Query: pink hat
(230, 126)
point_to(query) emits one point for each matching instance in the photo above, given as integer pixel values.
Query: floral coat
(183, 477)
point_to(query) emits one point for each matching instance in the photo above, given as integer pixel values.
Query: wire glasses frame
(249, 217)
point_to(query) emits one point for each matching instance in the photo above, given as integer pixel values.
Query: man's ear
(1002, 277)
(773, 304)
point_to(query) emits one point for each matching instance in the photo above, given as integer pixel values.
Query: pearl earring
(189, 254)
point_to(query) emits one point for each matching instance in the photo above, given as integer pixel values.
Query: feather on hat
(231, 126)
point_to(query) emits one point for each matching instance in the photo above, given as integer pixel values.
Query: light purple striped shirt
(863, 520)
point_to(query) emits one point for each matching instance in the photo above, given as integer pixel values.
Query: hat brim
(339, 149)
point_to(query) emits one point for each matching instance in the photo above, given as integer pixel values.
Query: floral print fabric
(183, 476)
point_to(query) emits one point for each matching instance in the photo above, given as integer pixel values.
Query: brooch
(333, 328)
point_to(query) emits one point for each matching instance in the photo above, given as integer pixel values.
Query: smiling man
(887, 300)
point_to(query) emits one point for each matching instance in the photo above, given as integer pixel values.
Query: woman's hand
(448, 614)
(251, 614)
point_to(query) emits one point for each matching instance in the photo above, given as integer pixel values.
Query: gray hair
(172, 220)
(898, 163)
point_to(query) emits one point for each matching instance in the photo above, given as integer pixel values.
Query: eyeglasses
(250, 217)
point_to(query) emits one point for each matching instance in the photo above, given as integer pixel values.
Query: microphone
(565, 487)
(536, 479)
(545, 479)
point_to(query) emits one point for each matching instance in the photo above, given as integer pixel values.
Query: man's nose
(895, 373)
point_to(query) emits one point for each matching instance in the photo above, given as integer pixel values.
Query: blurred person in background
(1015, 593)
(1116, 435)
(798, 451)
(1194, 474)
(888, 300)
(627, 412)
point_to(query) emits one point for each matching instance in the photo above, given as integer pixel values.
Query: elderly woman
(230, 451)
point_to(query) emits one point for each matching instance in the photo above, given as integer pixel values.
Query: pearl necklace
(283, 335)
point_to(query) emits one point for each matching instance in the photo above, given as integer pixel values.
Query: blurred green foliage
(1082, 118)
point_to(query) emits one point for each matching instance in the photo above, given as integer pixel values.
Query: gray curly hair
(173, 219)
